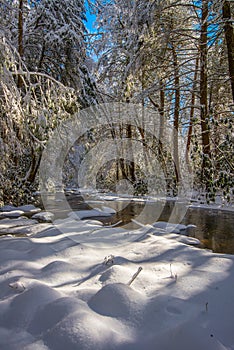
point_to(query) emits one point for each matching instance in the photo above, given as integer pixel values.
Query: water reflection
(215, 228)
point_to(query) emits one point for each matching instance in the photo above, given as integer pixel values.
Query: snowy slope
(57, 293)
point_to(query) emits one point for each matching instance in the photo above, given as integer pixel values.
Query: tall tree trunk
(131, 165)
(142, 129)
(203, 82)
(229, 36)
(189, 137)
(160, 145)
(160, 107)
(161, 110)
(162, 120)
(20, 38)
(176, 115)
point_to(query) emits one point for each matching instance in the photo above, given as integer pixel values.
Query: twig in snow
(135, 275)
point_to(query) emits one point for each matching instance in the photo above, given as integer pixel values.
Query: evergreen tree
(54, 44)
(43, 80)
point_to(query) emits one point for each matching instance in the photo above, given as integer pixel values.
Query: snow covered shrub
(28, 116)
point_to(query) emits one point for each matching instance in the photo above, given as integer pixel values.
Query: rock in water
(44, 216)
(8, 208)
(29, 209)
(11, 214)
(22, 221)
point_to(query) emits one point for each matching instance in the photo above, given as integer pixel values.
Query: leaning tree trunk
(229, 36)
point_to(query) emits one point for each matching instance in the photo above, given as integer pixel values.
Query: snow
(6, 223)
(192, 203)
(95, 212)
(43, 216)
(27, 210)
(70, 285)
(213, 206)
(11, 214)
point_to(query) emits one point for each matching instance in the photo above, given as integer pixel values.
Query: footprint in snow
(173, 310)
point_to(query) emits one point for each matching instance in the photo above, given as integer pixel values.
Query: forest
(116, 174)
(174, 57)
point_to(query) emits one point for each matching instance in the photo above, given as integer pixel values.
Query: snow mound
(52, 313)
(116, 300)
(58, 271)
(189, 240)
(85, 329)
(115, 274)
(58, 267)
(19, 339)
(57, 293)
(173, 228)
(23, 306)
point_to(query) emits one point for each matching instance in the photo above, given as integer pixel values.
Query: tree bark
(203, 82)
(229, 36)
(161, 109)
(35, 163)
(189, 137)
(20, 38)
(131, 165)
(176, 115)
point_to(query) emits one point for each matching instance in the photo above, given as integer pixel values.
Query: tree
(33, 100)
(229, 36)
(55, 45)
(27, 121)
(170, 55)
(203, 81)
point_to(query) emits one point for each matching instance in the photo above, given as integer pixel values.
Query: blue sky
(90, 19)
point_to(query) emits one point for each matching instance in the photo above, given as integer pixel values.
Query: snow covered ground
(70, 285)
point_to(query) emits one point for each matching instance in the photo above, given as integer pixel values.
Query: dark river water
(215, 228)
